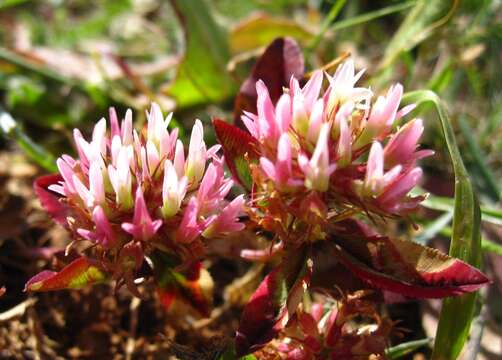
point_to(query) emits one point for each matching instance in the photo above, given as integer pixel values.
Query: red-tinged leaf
(79, 273)
(282, 59)
(240, 149)
(403, 267)
(186, 285)
(272, 304)
(49, 199)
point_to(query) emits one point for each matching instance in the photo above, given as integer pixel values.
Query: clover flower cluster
(316, 163)
(331, 330)
(130, 191)
(339, 144)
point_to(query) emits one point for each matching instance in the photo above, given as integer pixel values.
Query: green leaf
(488, 214)
(404, 267)
(229, 354)
(240, 150)
(369, 16)
(456, 313)
(426, 16)
(202, 75)
(261, 30)
(486, 244)
(490, 246)
(403, 349)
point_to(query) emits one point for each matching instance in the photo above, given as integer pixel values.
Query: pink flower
(66, 170)
(303, 100)
(318, 169)
(189, 228)
(283, 113)
(157, 133)
(213, 188)
(121, 177)
(227, 220)
(322, 140)
(142, 227)
(264, 124)
(394, 198)
(103, 233)
(173, 190)
(124, 132)
(401, 148)
(196, 160)
(141, 188)
(281, 172)
(388, 190)
(382, 116)
(344, 149)
(95, 195)
(342, 86)
(376, 180)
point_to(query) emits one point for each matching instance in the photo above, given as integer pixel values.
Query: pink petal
(266, 112)
(114, 122)
(401, 186)
(374, 168)
(312, 88)
(189, 229)
(283, 113)
(127, 130)
(67, 173)
(269, 168)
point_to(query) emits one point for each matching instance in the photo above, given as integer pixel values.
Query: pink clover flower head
(338, 142)
(141, 186)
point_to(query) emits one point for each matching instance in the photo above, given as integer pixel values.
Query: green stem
(37, 153)
(333, 13)
(456, 313)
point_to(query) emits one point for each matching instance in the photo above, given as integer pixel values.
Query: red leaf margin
(237, 144)
(77, 274)
(442, 276)
(50, 200)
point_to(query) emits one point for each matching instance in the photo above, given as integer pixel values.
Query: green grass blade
(434, 227)
(479, 160)
(372, 15)
(10, 128)
(490, 246)
(420, 22)
(486, 244)
(403, 349)
(333, 13)
(488, 214)
(456, 313)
